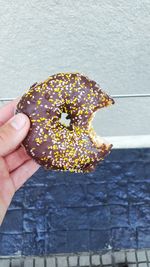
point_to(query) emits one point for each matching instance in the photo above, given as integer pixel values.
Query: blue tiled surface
(59, 212)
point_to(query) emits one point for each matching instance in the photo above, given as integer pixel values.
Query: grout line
(112, 259)
(45, 263)
(56, 262)
(78, 260)
(68, 261)
(90, 260)
(100, 260)
(147, 258)
(137, 264)
(126, 262)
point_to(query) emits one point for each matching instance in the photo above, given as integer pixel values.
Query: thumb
(13, 132)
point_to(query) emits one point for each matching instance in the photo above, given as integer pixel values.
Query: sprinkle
(56, 145)
(38, 102)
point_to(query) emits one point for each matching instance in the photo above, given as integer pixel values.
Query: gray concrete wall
(107, 40)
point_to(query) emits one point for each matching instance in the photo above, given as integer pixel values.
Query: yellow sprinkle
(55, 147)
(57, 89)
(38, 102)
(38, 140)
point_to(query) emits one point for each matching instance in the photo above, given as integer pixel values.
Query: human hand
(15, 165)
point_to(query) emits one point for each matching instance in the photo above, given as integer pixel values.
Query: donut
(53, 144)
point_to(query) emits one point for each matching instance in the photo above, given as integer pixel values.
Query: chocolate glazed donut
(51, 143)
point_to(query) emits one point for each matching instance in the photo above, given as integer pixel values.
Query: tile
(124, 238)
(99, 217)
(34, 220)
(97, 194)
(78, 241)
(56, 242)
(142, 264)
(10, 244)
(12, 222)
(50, 262)
(84, 260)
(62, 261)
(39, 262)
(119, 257)
(77, 218)
(95, 260)
(141, 256)
(107, 258)
(117, 193)
(73, 261)
(143, 237)
(28, 262)
(131, 256)
(119, 215)
(4, 263)
(99, 239)
(16, 262)
(34, 244)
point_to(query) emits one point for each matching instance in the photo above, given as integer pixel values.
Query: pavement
(123, 258)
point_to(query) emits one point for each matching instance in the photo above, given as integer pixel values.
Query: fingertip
(20, 121)
(13, 133)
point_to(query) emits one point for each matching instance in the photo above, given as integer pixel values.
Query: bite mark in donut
(53, 145)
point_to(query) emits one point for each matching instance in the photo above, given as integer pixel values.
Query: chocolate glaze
(57, 146)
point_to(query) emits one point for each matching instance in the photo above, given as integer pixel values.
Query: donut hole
(64, 119)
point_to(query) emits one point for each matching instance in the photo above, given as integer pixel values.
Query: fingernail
(18, 121)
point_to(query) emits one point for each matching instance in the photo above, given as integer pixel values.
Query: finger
(7, 188)
(7, 111)
(23, 173)
(16, 159)
(12, 133)
(3, 210)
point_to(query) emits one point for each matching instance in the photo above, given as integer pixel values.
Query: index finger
(7, 111)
